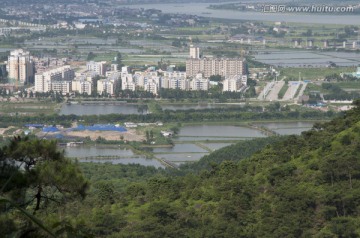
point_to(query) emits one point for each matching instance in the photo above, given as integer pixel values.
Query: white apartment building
(127, 81)
(20, 66)
(128, 86)
(179, 83)
(97, 67)
(233, 84)
(56, 79)
(194, 52)
(106, 86)
(61, 86)
(82, 86)
(175, 74)
(152, 87)
(114, 67)
(226, 67)
(164, 82)
(113, 75)
(199, 84)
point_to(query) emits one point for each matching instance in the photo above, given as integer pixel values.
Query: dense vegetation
(295, 186)
(336, 93)
(246, 113)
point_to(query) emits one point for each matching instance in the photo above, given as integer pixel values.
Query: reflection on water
(217, 131)
(183, 107)
(181, 157)
(216, 146)
(289, 58)
(287, 128)
(100, 109)
(93, 151)
(141, 161)
(208, 139)
(178, 148)
(201, 9)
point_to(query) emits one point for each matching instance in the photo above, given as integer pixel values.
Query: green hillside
(295, 186)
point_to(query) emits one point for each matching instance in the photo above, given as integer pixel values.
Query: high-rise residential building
(199, 83)
(234, 83)
(61, 86)
(173, 74)
(106, 86)
(194, 52)
(82, 86)
(97, 67)
(20, 66)
(179, 83)
(114, 67)
(225, 67)
(56, 79)
(164, 82)
(127, 81)
(152, 86)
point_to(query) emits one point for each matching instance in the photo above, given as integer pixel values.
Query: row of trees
(337, 93)
(273, 112)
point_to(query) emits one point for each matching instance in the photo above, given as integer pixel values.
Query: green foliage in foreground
(35, 178)
(236, 152)
(295, 186)
(299, 186)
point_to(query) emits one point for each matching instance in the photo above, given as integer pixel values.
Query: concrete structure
(97, 67)
(127, 82)
(4, 31)
(310, 43)
(296, 43)
(226, 67)
(44, 63)
(231, 84)
(63, 87)
(326, 44)
(194, 52)
(106, 86)
(174, 74)
(199, 83)
(114, 67)
(56, 79)
(82, 86)
(179, 83)
(152, 87)
(20, 66)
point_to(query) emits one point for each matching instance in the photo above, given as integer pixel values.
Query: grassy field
(313, 87)
(283, 91)
(151, 59)
(312, 73)
(105, 57)
(349, 85)
(33, 107)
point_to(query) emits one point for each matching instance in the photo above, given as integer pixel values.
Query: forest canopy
(290, 186)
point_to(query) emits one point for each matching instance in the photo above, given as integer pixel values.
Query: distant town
(55, 75)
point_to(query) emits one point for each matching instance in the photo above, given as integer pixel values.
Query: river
(100, 109)
(201, 9)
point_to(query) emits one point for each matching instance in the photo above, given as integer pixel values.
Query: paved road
(302, 90)
(290, 93)
(273, 94)
(266, 90)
